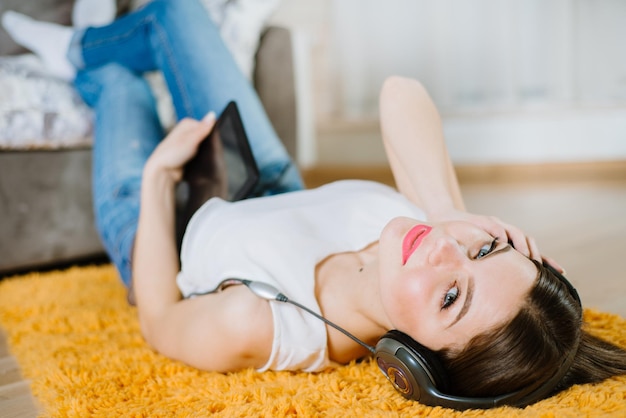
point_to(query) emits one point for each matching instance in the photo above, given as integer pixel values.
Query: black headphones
(417, 373)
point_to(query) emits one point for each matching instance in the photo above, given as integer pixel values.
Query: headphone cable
(283, 298)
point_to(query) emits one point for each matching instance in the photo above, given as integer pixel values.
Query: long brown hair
(531, 347)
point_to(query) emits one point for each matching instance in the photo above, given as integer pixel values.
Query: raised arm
(413, 139)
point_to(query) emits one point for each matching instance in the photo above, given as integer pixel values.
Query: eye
(450, 297)
(487, 248)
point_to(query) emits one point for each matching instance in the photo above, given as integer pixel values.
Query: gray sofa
(46, 216)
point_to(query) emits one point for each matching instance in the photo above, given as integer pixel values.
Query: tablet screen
(241, 169)
(224, 165)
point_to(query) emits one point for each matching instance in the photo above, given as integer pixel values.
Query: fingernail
(209, 117)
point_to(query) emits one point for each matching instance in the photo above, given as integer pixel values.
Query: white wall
(516, 80)
(548, 135)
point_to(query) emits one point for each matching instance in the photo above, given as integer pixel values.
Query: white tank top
(279, 240)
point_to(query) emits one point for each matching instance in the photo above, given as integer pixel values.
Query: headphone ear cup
(414, 370)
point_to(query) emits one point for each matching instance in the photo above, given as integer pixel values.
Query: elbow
(395, 86)
(146, 330)
(159, 342)
(150, 331)
(402, 96)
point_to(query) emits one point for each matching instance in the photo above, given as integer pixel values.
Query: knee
(168, 9)
(110, 78)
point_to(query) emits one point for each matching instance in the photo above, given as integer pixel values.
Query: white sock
(47, 40)
(93, 13)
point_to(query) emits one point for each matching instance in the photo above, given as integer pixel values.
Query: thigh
(126, 131)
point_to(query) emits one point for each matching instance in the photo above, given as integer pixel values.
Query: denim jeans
(178, 38)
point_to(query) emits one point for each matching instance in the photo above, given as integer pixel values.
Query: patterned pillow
(39, 111)
(36, 110)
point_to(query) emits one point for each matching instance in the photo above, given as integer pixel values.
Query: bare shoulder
(226, 331)
(248, 321)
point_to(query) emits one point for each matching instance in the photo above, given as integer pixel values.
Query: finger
(181, 130)
(189, 126)
(554, 264)
(494, 227)
(209, 118)
(518, 240)
(535, 254)
(201, 131)
(192, 131)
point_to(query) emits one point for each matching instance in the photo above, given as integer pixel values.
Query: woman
(470, 288)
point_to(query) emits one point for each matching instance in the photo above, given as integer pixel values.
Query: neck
(348, 292)
(367, 302)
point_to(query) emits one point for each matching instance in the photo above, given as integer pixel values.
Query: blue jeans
(178, 38)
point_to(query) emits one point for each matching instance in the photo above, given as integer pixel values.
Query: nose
(446, 251)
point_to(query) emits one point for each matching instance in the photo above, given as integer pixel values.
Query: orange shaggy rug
(79, 343)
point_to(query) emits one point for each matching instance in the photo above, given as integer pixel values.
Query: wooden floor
(577, 214)
(15, 397)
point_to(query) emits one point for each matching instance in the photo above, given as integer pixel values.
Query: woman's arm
(413, 139)
(155, 256)
(224, 331)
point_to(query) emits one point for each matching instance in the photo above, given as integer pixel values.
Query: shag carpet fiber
(79, 342)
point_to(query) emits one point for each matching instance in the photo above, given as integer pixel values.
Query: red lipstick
(412, 240)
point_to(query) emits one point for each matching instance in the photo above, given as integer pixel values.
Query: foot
(93, 13)
(49, 41)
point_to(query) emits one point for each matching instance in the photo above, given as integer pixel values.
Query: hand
(498, 229)
(508, 233)
(179, 146)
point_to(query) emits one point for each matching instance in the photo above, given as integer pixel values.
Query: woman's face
(443, 284)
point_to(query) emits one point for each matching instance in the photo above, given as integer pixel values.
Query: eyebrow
(470, 289)
(466, 303)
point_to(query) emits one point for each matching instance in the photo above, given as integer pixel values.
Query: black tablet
(224, 165)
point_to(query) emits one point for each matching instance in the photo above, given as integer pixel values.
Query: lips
(412, 240)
